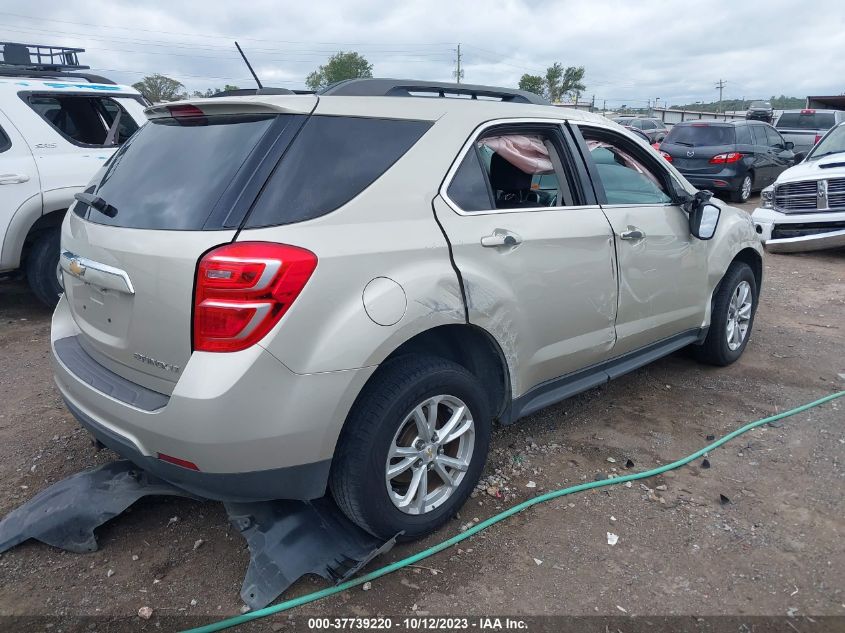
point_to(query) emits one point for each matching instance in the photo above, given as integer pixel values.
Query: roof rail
(41, 57)
(418, 88)
(6, 71)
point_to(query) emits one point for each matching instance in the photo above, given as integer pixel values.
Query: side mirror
(703, 215)
(790, 145)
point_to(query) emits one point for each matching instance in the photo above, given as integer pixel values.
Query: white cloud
(632, 51)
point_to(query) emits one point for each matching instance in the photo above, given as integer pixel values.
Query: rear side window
(743, 135)
(468, 188)
(332, 160)
(5, 142)
(85, 120)
(808, 121)
(171, 174)
(758, 133)
(701, 134)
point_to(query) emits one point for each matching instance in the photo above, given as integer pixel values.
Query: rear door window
(743, 135)
(172, 173)
(332, 160)
(701, 134)
(85, 120)
(807, 121)
(758, 133)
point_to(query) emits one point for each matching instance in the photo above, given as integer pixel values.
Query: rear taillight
(730, 157)
(666, 156)
(817, 139)
(243, 289)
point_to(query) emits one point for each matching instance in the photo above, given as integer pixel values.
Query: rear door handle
(633, 233)
(500, 237)
(13, 179)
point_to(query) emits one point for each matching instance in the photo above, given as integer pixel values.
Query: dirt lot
(775, 549)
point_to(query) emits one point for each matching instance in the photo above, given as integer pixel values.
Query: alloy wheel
(430, 454)
(739, 315)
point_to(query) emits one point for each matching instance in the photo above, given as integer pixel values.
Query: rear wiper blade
(96, 202)
(682, 143)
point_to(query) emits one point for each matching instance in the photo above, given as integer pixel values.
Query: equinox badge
(156, 363)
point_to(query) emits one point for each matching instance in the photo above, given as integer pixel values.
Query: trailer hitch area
(286, 539)
(66, 514)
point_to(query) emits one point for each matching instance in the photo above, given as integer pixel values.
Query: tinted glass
(814, 121)
(743, 135)
(758, 135)
(171, 176)
(760, 104)
(701, 134)
(468, 188)
(332, 160)
(833, 143)
(774, 138)
(649, 125)
(83, 120)
(5, 143)
(625, 178)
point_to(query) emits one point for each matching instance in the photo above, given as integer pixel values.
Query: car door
(662, 268)
(781, 158)
(534, 251)
(20, 189)
(763, 164)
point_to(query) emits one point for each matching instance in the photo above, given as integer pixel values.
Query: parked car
(804, 128)
(57, 128)
(367, 282)
(737, 157)
(654, 129)
(805, 209)
(760, 111)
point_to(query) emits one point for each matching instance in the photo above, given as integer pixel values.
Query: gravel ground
(775, 549)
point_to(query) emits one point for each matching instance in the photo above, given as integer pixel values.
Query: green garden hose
(410, 560)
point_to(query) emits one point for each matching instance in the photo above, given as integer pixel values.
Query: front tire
(413, 447)
(42, 266)
(732, 319)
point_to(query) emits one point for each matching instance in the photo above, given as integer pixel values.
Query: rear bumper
(254, 429)
(796, 232)
(725, 180)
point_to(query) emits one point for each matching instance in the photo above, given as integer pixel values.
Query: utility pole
(720, 86)
(458, 73)
(593, 104)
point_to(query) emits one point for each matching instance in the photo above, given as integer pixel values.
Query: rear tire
(42, 265)
(732, 319)
(744, 192)
(382, 423)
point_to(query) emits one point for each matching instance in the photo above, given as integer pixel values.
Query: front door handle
(13, 179)
(500, 237)
(633, 233)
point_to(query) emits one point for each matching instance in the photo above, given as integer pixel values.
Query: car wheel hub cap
(746, 188)
(739, 315)
(430, 454)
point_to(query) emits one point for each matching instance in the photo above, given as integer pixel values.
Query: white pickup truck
(804, 210)
(57, 128)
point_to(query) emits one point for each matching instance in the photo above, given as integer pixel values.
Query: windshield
(833, 143)
(699, 134)
(760, 104)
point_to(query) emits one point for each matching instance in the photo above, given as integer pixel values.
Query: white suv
(57, 128)
(270, 296)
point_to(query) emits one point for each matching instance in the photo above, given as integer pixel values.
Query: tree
(340, 66)
(559, 82)
(204, 94)
(158, 88)
(533, 83)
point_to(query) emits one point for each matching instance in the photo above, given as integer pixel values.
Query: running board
(286, 539)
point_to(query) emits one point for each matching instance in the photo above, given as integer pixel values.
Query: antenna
(248, 65)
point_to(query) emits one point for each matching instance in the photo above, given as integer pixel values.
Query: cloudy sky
(633, 51)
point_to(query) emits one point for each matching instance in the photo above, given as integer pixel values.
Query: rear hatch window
(173, 172)
(806, 121)
(702, 135)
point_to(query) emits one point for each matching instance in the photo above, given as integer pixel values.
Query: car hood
(828, 167)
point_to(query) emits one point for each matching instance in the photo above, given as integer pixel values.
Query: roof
(39, 84)
(386, 87)
(420, 108)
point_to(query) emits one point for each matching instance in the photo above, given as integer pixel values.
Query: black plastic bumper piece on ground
(66, 514)
(288, 539)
